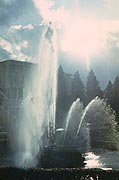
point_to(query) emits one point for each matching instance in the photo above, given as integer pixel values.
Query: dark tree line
(111, 93)
(71, 87)
(77, 88)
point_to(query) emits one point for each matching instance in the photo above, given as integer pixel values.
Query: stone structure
(13, 78)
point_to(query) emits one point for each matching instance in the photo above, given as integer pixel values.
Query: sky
(88, 33)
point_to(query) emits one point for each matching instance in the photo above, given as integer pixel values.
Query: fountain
(39, 106)
(92, 127)
(103, 126)
(35, 140)
(96, 128)
(72, 122)
(36, 132)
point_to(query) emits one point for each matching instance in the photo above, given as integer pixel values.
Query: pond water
(103, 159)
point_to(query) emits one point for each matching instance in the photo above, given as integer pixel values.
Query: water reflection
(93, 160)
(104, 160)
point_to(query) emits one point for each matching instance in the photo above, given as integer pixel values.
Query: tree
(92, 87)
(61, 85)
(115, 95)
(111, 93)
(61, 98)
(78, 87)
(108, 92)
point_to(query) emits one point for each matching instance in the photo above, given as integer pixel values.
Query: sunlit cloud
(18, 48)
(21, 27)
(14, 49)
(16, 27)
(20, 56)
(25, 44)
(81, 36)
(29, 26)
(5, 45)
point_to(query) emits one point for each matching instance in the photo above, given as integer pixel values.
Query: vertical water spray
(39, 106)
(72, 120)
(81, 121)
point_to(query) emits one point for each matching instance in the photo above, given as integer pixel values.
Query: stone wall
(15, 76)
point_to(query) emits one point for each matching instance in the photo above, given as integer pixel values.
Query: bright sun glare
(79, 36)
(82, 37)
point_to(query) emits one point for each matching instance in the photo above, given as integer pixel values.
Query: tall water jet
(39, 105)
(72, 121)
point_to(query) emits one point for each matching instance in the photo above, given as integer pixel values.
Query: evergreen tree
(115, 100)
(108, 92)
(61, 85)
(61, 98)
(92, 87)
(78, 87)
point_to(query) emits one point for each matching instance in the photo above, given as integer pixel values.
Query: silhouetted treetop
(78, 90)
(92, 87)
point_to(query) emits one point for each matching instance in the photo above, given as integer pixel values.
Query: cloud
(21, 27)
(20, 42)
(16, 27)
(29, 26)
(14, 49)
(5, 45)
